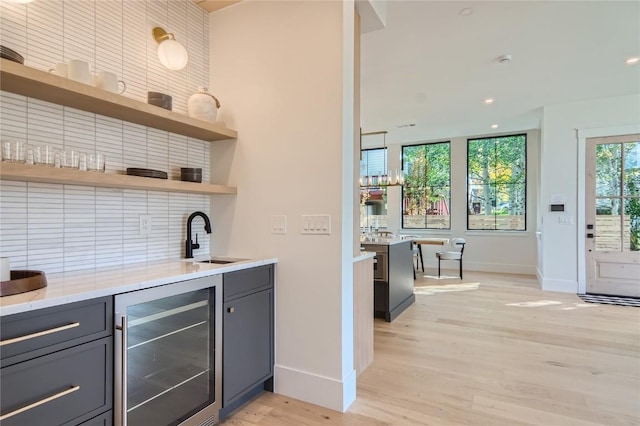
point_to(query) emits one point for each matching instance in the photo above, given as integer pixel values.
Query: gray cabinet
(393, 279)
(104, 419)
(248, 335)
(57, 364)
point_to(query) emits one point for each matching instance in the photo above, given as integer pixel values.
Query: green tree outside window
(496, 183)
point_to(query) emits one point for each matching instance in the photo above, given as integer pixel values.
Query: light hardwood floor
(488, 350)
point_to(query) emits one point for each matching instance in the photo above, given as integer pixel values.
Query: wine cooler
(168, 354)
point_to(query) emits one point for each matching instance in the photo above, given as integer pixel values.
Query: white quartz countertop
(70, 287)
(364, 255)
(382, 241)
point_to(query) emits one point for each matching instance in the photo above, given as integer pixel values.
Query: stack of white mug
(79, 71)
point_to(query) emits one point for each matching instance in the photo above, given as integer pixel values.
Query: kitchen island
(393, 275)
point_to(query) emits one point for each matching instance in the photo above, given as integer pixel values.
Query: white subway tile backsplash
(65, 227)
(13, 26)
(13, 223)
(45, 35)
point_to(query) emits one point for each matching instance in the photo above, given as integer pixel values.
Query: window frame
(402, 147)
(526, 184)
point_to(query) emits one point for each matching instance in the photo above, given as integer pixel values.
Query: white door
(613, 215)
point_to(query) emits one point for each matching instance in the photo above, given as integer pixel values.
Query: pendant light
(386, 178)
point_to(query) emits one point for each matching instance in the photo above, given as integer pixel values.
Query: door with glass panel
(168, 354)
(613, 215)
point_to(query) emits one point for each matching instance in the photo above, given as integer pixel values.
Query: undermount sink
(221, 260)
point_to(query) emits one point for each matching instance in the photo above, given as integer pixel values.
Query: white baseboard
(504, 268)
(319, 390)
(539, 276)
(564, 286)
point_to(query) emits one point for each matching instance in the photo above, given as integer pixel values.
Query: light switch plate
(565, 220)
(278, 224)
(316, 224)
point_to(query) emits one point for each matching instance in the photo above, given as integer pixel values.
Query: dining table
(419, 241)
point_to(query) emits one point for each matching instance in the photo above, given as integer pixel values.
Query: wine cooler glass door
(168, 348)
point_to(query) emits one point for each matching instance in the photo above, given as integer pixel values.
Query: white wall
(65, 227)
(559, 176)
(490, 251)
(373, 13)
(278, 69)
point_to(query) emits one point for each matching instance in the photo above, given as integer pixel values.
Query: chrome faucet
(190, 245)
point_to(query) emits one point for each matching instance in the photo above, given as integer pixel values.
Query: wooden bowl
(23, 281)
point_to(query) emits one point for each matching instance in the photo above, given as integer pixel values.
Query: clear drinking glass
(82, 162)
(29, 158)
(13, 151)
(6, 151)
(96, 162)
(44, 155)
(70, 158)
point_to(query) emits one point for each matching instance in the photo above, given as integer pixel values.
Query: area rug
(610, 300)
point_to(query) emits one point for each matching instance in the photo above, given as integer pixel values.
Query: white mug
(79, 71)
(108, 81)
(61, 69)
(5, 269)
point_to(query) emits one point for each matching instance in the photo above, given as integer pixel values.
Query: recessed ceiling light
(494, 126)
(466, 11)
(489, 101)
(633, 60)
(407, 125)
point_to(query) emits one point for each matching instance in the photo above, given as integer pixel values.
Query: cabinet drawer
(104, 419)
(30, 334)
(247, 281)
(66, 387)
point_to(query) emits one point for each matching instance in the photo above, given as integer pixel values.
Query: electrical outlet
(145, 224)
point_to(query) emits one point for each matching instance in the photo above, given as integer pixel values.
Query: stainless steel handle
(39, 333)
(231, 310)
(42, 401)
(122, 386)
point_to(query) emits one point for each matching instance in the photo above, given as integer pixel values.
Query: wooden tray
(23, 281)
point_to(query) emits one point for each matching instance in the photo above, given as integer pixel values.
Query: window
(497, 183)
(373, 200)
(373, 163)
(426, 194)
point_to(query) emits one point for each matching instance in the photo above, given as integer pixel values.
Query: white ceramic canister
(203, 105)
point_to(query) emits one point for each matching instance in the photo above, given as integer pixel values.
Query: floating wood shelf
(31, 82)
(44, 174)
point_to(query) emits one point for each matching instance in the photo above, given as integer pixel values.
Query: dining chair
(417, 253)
(456, 254)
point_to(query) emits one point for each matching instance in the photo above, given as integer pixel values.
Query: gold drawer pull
(42, 401)
(38, 334)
